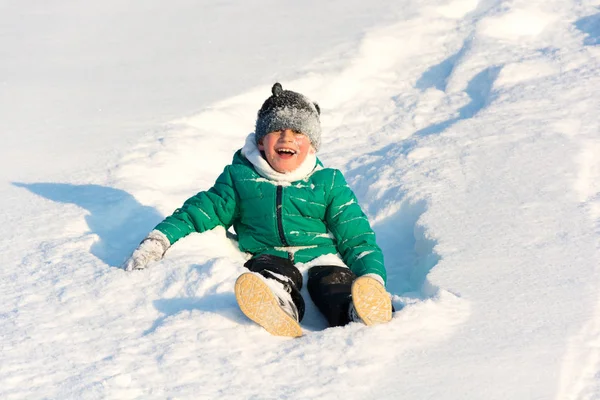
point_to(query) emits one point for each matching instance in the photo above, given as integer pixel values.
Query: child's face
(285, 150)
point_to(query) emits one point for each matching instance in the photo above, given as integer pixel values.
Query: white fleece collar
(251, 152)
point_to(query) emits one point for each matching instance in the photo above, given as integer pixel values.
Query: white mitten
(151, 249)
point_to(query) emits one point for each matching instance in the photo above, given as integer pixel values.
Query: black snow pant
(329, 286)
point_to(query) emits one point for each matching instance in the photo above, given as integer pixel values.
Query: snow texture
(468, 130)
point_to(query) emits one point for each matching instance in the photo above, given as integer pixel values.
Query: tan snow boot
(276, 313)
(371, 301)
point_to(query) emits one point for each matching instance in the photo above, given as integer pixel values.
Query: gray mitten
(151, 249)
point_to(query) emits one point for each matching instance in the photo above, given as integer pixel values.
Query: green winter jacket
(305, 219)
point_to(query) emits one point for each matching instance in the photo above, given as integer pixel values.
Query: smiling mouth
(285, 152)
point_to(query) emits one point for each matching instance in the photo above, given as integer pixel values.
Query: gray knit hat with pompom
(289, 110)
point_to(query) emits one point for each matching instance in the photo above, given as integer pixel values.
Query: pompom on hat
(289, 110)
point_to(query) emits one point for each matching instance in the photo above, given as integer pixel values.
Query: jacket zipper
(278, 203)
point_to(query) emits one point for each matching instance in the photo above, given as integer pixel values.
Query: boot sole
(257, 302)
(372, 303)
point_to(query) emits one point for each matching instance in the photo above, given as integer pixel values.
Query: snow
(468, 130)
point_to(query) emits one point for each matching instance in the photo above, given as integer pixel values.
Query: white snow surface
(469, 131)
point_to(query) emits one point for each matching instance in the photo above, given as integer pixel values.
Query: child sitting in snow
(289, 212)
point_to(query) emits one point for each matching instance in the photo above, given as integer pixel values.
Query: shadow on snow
(407, 247)
(115, 216)
(409, 253)
(437, 75)
(479, 90)
(219, 303)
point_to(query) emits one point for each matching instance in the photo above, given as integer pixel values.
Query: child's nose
(287, 134)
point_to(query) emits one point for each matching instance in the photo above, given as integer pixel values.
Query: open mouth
(285, 153)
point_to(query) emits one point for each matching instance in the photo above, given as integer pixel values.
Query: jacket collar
(262, 167)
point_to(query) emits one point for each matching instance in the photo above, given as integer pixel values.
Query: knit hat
(289, 110)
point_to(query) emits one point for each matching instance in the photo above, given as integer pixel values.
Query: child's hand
(151, 249)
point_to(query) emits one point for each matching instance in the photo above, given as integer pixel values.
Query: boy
(289, 212)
